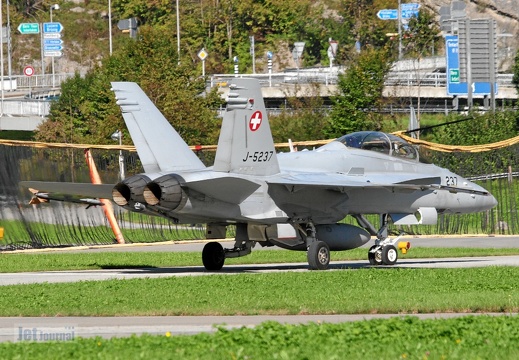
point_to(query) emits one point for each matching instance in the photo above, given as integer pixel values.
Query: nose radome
(487, 201)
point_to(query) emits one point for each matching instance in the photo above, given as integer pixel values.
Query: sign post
(404, 12)
(34, 28)
(332, 50)
(236, 68)
(270, 55)
(202, 55)
(52, 42)
(29, 71)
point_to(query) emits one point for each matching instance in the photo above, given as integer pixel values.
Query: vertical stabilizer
(159, 146)
(245, 145)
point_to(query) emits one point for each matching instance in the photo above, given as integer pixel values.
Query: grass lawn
(371, 290)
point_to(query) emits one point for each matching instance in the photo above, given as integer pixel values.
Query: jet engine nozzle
(129, 191)
(166, 192)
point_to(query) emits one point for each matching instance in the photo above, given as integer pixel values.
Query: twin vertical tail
(160, 147)
(245, 145)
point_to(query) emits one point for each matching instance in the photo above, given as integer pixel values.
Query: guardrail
(435, 79)
(323, 75)
(327, 77)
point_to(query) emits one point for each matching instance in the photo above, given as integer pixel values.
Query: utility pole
(399, 30)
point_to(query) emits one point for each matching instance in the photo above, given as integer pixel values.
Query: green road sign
(29, 28)
(454, 75)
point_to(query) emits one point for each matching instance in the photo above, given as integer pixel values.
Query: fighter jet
(294, 200)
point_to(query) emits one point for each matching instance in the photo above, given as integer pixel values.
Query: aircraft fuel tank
(342, 236)
(337, 236)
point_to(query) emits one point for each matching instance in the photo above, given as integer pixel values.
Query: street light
(53, 7)
(118, 135)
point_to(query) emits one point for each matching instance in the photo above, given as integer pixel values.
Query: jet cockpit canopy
(381, 142)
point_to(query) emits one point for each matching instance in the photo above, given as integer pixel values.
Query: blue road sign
(407, 14)
(53, 27)
(453, 66)
(52, 41)
(388, 14)
(410, 6)
(52, 47)
(454, 84)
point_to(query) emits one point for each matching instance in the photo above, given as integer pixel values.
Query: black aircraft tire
(389, 255)
(375, 258)
(213, 256)
(318, 255)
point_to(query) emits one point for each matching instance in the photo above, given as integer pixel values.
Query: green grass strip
(109, 260)
(371, 290)
(472, 337)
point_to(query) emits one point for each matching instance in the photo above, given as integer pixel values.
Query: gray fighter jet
(294, 200)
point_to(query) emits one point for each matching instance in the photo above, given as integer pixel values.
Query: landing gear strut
(318, 252)
(384, 251)
(214, 255)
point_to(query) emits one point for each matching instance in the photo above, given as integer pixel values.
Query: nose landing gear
(384, 252)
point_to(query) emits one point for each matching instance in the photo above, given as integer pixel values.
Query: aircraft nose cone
(486, 202)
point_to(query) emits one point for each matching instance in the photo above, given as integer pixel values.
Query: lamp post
(53, 7)
(110, 24)
(118, 135)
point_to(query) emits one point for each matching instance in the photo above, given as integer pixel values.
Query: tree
(86, 111)
(303, 119)
(360, 90)
(422, 39)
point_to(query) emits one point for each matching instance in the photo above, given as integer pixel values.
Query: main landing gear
(214, 255)
(384, 252)
(318, 252)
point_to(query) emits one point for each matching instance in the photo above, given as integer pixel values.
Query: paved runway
(12, 329)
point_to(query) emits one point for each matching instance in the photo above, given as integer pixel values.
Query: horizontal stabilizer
(228, 189)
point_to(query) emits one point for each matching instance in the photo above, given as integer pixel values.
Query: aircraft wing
(64, 189)
(344, 183)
